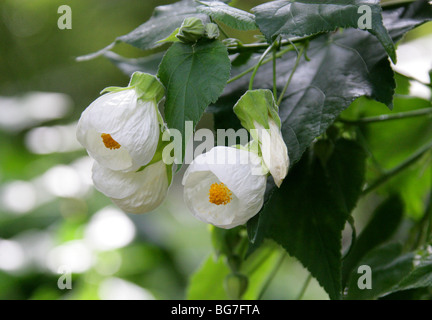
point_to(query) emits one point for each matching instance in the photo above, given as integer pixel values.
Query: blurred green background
(50, 215)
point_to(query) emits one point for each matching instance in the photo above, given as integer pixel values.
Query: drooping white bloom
(120, 131)
(259, 114)
(274, 151)
(225, 186)
(134, 192)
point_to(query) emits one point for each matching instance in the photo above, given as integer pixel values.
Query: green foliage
(420, 275)
(307, 17)
(210, 280)
(162, 24)
(194, 76)
(207, 283)
(233, 17)
(382, 226)
(338, 108)
(388, 266)
(307, 215)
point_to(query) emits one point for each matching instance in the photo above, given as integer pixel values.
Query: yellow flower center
(219, 194)
(109, 142)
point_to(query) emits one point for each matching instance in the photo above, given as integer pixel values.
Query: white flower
(134, 192)
(120, 131)
(274, 150)
(225, 186)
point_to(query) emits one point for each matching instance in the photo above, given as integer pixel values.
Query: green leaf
(421, 274)
(308, 213)
(388, 267)
(257, 267)
(207, 282)
(194, 76)
(232, 17)
(307, 17)
(343, 67)
(148, 64)
(172, 37)
(384, 222)
(410, 134)
(162, 24)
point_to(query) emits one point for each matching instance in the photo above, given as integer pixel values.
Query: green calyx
(191, 30)
(257, 106)
(212, 31)
(147, 86)
(158, 154)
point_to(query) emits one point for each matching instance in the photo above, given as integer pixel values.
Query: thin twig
(414, 79)
(305, 286)
(260, 61)
(390, 117)
(278, 55)
(272, 274)
(393, 172)
(274, 74)
(299, 55)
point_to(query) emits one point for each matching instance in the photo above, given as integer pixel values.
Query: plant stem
(390, 117)
(223, 31)
(260, 61)
(299, 55)
(305, 286)
(261, 46)
(428, 215)
(414, 79)
(274, 75)
(272, 274)
(395, 2)
(278, 55)
(393, 172)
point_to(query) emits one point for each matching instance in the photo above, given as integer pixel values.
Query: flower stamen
(219, 194)
(109, 142)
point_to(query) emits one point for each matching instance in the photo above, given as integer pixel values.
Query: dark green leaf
(162, 24)
(382, 226)
(388, 267)
(343, 67)
(164, 21)
(148, 64)
(194, 76)
(232, 17)
(308, 213)
(406, 136)
(306, 17)
(421, 275)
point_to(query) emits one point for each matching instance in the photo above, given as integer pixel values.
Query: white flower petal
(274, 151)
(133, 192)
(132, 123)
(240, 171)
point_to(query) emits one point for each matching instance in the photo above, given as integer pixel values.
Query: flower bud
(258, 113)
(212, 31)
(236, 285)
(191, 30)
